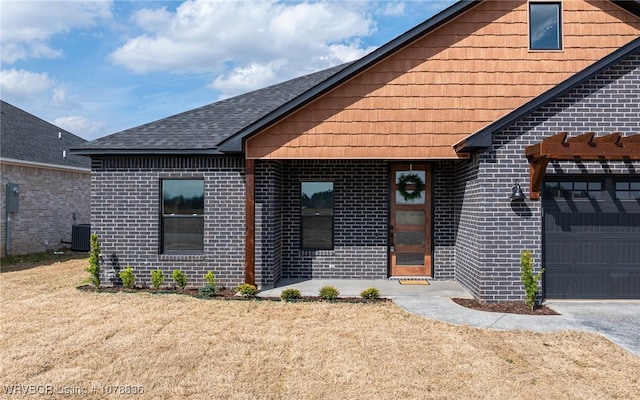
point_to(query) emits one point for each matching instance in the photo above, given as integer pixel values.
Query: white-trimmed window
(545, 25)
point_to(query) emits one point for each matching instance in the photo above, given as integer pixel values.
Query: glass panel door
(410, 230)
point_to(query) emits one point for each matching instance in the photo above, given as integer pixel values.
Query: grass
(182, 347)
(16, 263)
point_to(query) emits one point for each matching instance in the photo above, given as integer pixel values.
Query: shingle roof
(200, 130)
(26, 137)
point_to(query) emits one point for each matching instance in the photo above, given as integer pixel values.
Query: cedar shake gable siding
(445, 86)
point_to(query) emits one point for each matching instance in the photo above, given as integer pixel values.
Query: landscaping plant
(329, 293)
(180, 278)
(211, 280)
(157, 278)
(209, 289)
(247, 290)
(371, 293)
(290, 294)
(94, 261)
(527, 277)
(128, 277)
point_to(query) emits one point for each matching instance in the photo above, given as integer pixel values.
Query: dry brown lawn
(179, 347)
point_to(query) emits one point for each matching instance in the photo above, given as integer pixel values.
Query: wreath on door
(410, 179)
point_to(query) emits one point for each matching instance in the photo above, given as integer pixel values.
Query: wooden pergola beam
(585, 147)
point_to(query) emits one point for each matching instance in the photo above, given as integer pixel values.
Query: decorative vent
(96, 163)
(183, 163)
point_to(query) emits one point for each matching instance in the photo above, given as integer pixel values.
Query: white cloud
(27, 26)
(244, 79)
(393, 9)
(81, 126)
(21, 84)
(60, 99)
(244, 43)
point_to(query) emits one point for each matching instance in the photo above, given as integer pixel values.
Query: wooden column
(250, 222)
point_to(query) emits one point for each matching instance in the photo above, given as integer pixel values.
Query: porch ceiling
(586, 147)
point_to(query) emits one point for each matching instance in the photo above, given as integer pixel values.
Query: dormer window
(545, 26)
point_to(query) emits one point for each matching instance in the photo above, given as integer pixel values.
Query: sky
(99, 67)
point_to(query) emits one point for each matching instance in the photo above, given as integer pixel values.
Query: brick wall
(47, 200)
(468, 195)
(360, 220)
(125, 213)
(268, 241)
(610, 102)
(444, 219)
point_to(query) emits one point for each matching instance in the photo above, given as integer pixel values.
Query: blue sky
(96, 68)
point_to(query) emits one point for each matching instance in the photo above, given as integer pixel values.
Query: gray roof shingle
(26, 137)
(201, 129)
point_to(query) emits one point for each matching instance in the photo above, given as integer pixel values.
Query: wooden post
(250, 222)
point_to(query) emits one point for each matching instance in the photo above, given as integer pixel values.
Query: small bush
(247, 290)
(371, 293)
(157, 278)
(329, 293)
(290, 294)
(180, 278)
(211, 280)
(128, 277)
(529, 280)
(207, 291)
(94, 261)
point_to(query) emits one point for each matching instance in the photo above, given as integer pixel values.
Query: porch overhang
(585, 147)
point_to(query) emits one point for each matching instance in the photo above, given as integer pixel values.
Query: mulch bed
(224, 294)
(509, 307)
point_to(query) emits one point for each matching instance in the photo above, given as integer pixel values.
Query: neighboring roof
(25, 137)
(200, 130)
(483, 138)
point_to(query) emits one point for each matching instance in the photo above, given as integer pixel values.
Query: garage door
(591, 242)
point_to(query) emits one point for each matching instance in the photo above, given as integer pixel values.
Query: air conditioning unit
(81, 237)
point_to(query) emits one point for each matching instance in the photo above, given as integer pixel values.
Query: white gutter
(13, 161)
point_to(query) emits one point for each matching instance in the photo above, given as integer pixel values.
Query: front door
(410, 230)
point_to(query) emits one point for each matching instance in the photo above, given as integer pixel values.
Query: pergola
(586, 147)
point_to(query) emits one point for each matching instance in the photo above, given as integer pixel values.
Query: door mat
(413, 281)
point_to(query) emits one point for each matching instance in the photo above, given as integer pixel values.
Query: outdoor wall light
(516, 193)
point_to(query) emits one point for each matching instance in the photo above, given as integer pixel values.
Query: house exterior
(404, 163)
(45, 189)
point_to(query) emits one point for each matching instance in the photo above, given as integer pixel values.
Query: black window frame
(164, 218)
(632, 186)
(558, 5)
(589, 192)
(304, 218)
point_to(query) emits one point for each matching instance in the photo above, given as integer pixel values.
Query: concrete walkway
(619, 321)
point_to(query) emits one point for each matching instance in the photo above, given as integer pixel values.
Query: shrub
(211, 280)
(527, 277)
(157, 278)
(180, 278)
(128, 277)
(290, 294)
(371, 293)
(207, 291)
(247, 290)
(94, 261)
(329, 293)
